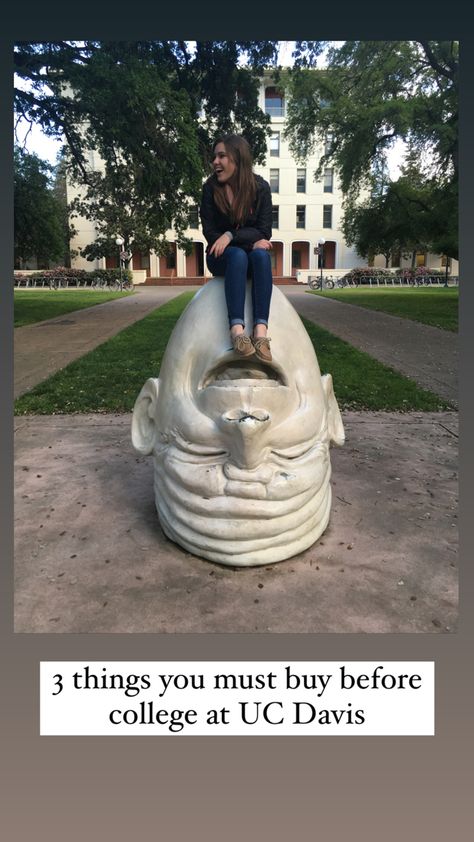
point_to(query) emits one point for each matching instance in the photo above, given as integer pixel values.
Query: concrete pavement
(91, 557)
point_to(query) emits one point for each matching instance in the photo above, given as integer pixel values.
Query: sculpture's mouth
(240, 372)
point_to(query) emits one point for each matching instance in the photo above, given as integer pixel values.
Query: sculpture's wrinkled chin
(241, 447)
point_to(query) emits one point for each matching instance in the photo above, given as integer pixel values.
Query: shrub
(45, 276)
(409, 274)
(70, 276)
(360, 273)
(110, 274)
(423, 271)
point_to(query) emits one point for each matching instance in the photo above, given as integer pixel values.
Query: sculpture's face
(241, 447)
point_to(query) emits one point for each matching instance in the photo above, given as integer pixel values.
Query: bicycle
(316, 282)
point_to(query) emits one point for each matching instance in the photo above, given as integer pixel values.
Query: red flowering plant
(61, 273)
(362, 274)
(419, 272)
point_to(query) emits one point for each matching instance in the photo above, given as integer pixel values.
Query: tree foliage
(397, 221)
(40, 218)
(407, 216)
(129, 114)
(370, 94)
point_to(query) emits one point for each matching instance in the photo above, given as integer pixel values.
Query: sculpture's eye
(200, 450)
(298, 450)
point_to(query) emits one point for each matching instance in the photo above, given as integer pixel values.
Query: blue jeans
(236, 265)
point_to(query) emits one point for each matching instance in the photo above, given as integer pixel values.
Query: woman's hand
(220, 245)
(263, 244)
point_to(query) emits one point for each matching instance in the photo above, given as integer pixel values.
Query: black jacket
(257, 226)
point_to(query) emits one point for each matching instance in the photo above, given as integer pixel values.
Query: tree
(370, 94)
(59, 188)
(392, 218)
(369, 229)
(393, 222)
(135, 106)
(39, 216)
(408, 215)
(430, 206)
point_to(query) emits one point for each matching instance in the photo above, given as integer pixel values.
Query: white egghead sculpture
(241, 447)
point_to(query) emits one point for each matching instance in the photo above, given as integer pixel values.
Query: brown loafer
(242, 345)
(262, 349)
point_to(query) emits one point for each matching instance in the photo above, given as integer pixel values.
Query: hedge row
(361, 272)
(73, 276)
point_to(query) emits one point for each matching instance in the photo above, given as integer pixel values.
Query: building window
(328, 143)
(301, 181)
(275, 145)
(295, 259)
(328, 180)
(144, 260)
(327, 216)
(275, 216)
(193, 217)
(171, 260)
(300, 216)
(275, 181)
(274, 102)
(421, 258)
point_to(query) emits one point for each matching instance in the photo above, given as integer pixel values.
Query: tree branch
(435, 64)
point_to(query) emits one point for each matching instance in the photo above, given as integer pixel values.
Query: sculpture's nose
(243, 430)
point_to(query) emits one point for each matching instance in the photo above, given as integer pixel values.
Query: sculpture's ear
(335, 425)
(143, 419)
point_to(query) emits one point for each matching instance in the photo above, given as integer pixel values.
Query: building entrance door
(329, 258)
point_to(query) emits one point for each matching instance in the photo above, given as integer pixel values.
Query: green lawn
(109, 378)
(437, 306)
(37, 306)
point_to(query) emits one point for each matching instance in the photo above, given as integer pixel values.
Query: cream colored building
(305, 211)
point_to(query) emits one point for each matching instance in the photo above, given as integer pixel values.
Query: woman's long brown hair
(243, 182)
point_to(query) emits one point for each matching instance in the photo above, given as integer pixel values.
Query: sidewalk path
(428, 355)
(45, 347)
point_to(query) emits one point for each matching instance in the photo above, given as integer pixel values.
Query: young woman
(236, 217)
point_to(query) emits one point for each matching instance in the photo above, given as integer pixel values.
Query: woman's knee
(236, 256)
(260, 257)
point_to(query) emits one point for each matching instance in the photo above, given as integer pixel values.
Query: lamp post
(120, 241)
(321, 242)
(447, 271)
